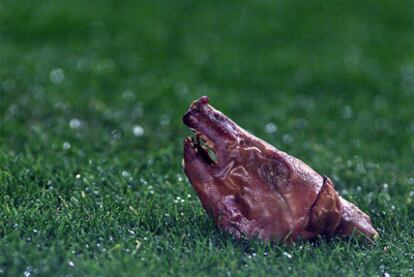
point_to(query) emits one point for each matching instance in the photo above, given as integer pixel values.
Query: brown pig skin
(254, 190)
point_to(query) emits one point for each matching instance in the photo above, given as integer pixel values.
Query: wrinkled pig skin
(254, 190)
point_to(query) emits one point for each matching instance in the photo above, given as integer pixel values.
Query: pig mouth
(203, 147)
(199, 142)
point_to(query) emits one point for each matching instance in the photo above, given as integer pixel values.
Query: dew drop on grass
(347, 112)
(128, 95)
(28, 271)
(270, 128)
(289, 256)
(57, 75)
(411, 193)
(116, 134)
(165, 119)
(74, 123)
(66, 145)
(287, 138)
(72, 264)
(138, 131)
(125, 174)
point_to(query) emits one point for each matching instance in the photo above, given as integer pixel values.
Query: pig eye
(274, 173)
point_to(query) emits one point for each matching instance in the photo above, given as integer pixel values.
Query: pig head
(254, 190)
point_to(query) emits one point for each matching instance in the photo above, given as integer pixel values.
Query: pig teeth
(190, 140)
(205, 139)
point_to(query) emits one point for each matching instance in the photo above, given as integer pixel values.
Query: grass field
(91, 99)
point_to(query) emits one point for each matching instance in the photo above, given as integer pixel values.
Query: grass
(80, 194)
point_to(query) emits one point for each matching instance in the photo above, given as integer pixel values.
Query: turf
(91, 99)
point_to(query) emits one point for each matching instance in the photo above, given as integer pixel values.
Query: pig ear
(325, 214)
(355, 222)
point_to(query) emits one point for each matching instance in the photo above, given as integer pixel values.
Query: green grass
(336, 77)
